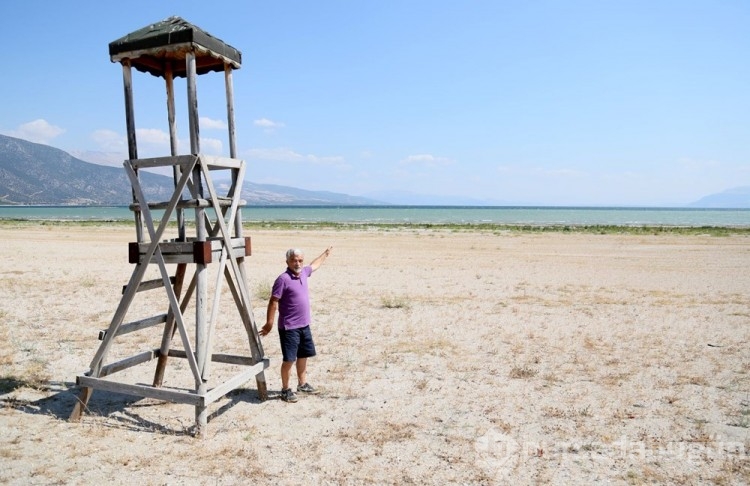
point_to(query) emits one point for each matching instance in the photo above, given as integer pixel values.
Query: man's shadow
(61, 397)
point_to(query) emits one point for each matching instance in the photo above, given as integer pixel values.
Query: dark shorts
(297, 343)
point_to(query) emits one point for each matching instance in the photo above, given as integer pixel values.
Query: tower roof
(152, 48)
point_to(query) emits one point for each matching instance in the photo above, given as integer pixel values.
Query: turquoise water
(424, 214)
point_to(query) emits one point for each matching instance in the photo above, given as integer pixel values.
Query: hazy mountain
(406, 198)
(32, 173)
(270, 194)
(737, 197)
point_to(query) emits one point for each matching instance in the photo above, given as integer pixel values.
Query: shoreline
(449, 227)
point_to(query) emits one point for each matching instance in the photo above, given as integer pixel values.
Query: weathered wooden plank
(155, 250)
(169, 328)
(213, 162)
(175, 396)
(233, 261)
(205, 373)
(201, 415)
(126, 363)
(188, 258)
(173, 141)
(136, 325)
(183, 204)
(119, 316)
(219, 358)
(170, 247)
(184, 252)
(168, 161)
(229, 88)
(83, 399)
(202, 253)
(173, 49)
(127, 82)
(234, 382)
(149, 284)
(256, 347)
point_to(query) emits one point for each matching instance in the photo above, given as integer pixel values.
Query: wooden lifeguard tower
(168, 49)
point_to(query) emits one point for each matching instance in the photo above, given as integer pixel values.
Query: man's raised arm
(315, 264)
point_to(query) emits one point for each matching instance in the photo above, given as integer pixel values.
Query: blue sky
(537, 102)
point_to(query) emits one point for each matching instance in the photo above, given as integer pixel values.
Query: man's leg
(286, 369)
(301, 371)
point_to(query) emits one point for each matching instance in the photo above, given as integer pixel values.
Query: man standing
(291, 297)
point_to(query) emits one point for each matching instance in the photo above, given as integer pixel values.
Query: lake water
(424, 214)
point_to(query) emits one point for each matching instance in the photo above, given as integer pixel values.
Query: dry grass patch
(615, 379)
(571, 413)
(394, 302)
(741, 418)
(523, 372)
(671, 399)
(381, 433)
(262, 290)
(692, 380)
(10, 455)
(551, 377)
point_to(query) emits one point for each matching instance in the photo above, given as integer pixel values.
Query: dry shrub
(521, 372)
(551, 378)
(692, 380)
(381, 434)
(394, 302)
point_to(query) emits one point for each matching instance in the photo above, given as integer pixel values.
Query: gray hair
(293, 251)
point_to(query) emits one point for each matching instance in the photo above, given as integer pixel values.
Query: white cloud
(110, 141)
(38, 131)
(268, 124)
(276, 154)
(427, 160)
(211, 124)
(110, 159)
(152, 143)
(152, 136)
(212, 146)
(288, 155)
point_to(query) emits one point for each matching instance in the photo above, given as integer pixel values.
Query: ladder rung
(150, 284)
(187, 204)
(136, 325)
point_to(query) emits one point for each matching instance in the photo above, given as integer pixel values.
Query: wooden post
(201, 277)
(230, 110)
(169, 329)
(255, 344)
(83, 400)
(127, 81)
(169, 80)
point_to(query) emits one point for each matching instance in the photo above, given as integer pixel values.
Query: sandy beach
(445, 357)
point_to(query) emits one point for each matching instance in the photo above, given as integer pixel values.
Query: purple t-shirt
(294, 299)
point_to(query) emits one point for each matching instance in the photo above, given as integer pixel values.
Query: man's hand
(266, 329)
(315, 264)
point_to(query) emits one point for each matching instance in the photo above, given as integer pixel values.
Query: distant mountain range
(406, 198)
(32, 173)
(737, 197)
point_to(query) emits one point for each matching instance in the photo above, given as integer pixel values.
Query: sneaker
(308, 389)
(288, 395)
